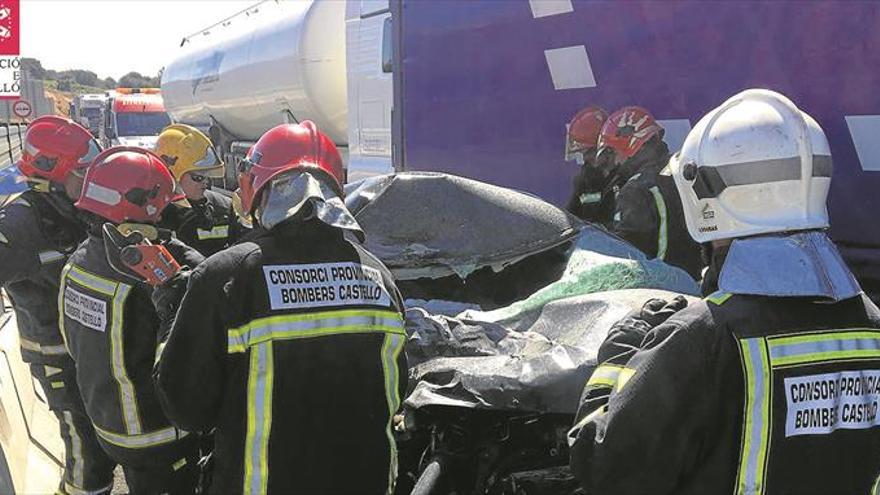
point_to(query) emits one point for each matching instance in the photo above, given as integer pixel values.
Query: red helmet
(288, 147)
(54, 147)
(626, 131)
(127, 184)
(583, 130)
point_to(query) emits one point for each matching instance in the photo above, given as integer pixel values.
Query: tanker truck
(273, 63)
(484, 88)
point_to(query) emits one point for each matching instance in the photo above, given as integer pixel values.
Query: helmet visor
(209, 165)
(87, 159)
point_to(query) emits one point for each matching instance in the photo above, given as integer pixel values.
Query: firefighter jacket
(740, 394)
(208, 226)
(291, 346)
(648, 214)
(37, 233)
(112, 332)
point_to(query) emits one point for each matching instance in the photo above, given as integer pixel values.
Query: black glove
(166, 299)
(627, 335)
(201, 215)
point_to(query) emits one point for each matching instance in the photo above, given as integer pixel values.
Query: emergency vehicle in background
(86, 111)
(133, 117)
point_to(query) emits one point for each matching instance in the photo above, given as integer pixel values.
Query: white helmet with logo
(754, 165)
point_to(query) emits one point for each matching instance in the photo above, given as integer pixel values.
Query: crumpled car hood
(431, 225)
(537, 363)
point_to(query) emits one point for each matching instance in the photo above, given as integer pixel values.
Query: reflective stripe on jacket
(742, 395)
(112, 332)
(291, 346)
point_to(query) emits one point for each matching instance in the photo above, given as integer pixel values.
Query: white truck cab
(368, 32)
(133, 117)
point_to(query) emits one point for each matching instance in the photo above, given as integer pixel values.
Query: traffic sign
(22, 108)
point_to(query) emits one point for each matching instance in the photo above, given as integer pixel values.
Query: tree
(65, 84)
(83, 77)
(109, 83)
(136, 80)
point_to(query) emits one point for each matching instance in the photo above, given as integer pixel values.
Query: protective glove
(166, 299)
(626, 336)
(624, 340)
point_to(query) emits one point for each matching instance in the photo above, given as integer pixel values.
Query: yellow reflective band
(259, 419)
(590, 198)
(3, 238)
(46, 350)
(127, 398)
(118, 292)
(576, 429)
(61, 289)
(718, 298)
(51, 371)
(75, 450)
(144, 440)
(391, 348)
(625, 375)
(218, 232)
(662, 234)
(57, 385)
(756, 424)
(91, 281)
(179, 464)
(605, 376)
(826, 346)
(75, 490)
(299, 326)
(47, 257)
(875, 490)
(866, 333)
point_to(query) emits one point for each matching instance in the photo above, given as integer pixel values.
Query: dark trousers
(171, 468)
(87, 468)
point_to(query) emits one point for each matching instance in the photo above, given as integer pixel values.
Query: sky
(112, 38)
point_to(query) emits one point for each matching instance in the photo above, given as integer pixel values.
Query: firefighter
(647, 211)
(205, 221)
(291, 344)
(771, 383)
(592, 197)
(112, 330)
(38, 231)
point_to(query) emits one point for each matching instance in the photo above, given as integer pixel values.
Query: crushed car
(508, 298)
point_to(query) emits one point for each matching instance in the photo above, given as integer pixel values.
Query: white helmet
(754, 165)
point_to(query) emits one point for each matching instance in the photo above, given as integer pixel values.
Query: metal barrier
(11, 142)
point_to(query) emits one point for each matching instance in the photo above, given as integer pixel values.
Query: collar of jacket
(651, 159)
(799, 264)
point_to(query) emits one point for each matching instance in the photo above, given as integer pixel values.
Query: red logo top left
(9, 23)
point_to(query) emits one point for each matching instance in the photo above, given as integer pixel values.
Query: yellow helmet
(186, 149)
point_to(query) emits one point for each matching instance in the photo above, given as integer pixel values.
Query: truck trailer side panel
(486, 87)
